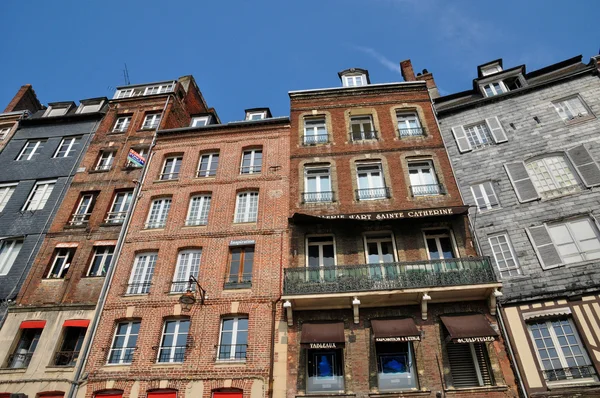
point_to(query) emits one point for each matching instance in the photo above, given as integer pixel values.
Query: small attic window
(256, 115)
(90, 106)
(56, 110)
(200, 121)
(490, 69)
(354, 80)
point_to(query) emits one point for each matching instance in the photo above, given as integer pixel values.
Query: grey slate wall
(527, 139)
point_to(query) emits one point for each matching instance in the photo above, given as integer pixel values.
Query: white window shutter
(496, 130)
(491, 193)
(585, 165)
(544, 248)
(461, 139)
(524, 188)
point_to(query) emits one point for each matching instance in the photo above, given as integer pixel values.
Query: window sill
(325, 394)
(579, 120)
(99, 171)
(236, 291)
(135, 296)
(53, 279)
(371, 141)
(111, 224)
(55, 368)
(166, 364)
(245, 223)
(129, 168)
(250, 174)
(225, 364)
(413, 392)
(145, 130)
(116, 367)
(75, 226)
(237, 286)
(163, 181)
(12, 370)
(475, 389)
(152, 229)
(195, 226)
(572, 384)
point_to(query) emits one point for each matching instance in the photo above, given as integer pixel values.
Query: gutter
(510, 351)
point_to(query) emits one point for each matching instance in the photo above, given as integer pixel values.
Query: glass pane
(328, 255)
(313, 256)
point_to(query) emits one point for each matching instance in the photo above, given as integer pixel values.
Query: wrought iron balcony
(231, 352)
(66, 358)
(388, 276)
(363, 135)
(315, 139)
(80, 220)
(182, 286)
(169, 176)
(238, 281)
(122, 355)
(193, 222)
(116, 217)
(427, 190)
(155, 224)
(207, 172)
(138, 288)
(172, 354)
(317, 197)
(373, 193)
(576, 372)
(19, 361)
(412, 132)
(103, 167)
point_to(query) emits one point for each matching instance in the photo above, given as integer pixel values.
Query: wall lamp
(188, 299)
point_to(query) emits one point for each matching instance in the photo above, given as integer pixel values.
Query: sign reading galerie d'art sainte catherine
(394, 215)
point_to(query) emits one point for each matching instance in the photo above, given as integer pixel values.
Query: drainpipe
(512, 358)
(111, 268)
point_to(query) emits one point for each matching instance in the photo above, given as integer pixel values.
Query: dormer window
(356, 80)
(57, 109)
(128, 92)
(89, 106)
(491, 69)
(200, 121)
(494, 88)
(354, 77)
(256, 115)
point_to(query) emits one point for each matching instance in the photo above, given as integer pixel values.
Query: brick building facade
(525, 146)
(23, 104)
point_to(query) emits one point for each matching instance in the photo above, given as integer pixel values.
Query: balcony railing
(122, 355)
(172, 354)
(169, 176)
(80, 220)
(207, 173)
(19, 361)
(412, 132)
(388, 276)
(427, 190)
(238, 281)
(363, 135)
(103, 167)
(117, 217)
(191, 222)
(373, 193)
(231, 352)
(66, 358)
(315, 139)
(138, 288)
(182, 286)
(155, 224)
(576, 372)
(317, 197)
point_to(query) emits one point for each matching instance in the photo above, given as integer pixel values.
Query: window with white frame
(576, 240)
(354, 80)
(124, 343)
(9, 250)
(504, 255)
(198, 210)
(39, 195)
(251, 161)
(246, 207)
(209, 162)
(423, 179)
(4, 132)
(199, 121)
(320, 258)
(317, 182)
(106, 160)
(315, 130)
(159, 89)
(494, 88)
(485, 196)
(61, 262)
(188, 264)
(6, 192)
(571, 108)
(409, 124)
(67, 147)
(559, 350)
(122, 124)
(371, 184)
(56, 111)
(119, 207)
(101, 260)
(479, 135)
(84, 210)
(31, 148)
(256, 115)
(552, 176)
(89, 106)
(174, 341)
(159, 210)
(171, 167)
(143, 152)
(361, 128)
(142, 272)
(151, 121)
(488, 70)
(233, 339)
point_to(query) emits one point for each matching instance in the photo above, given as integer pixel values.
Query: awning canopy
(323, 335)
(77, 323)
(392, 330)
(473, 328)
(32, 324)
(300, 218)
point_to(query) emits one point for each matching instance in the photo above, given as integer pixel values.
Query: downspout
(510, 351)
(273, 314)
(111, 268)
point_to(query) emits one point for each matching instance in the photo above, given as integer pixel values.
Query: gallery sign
(475, 339)
(242, 242)
(322, 345)
(395, 215)
(398, 339)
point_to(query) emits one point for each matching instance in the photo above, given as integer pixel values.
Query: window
(39, 195)
(141, 275)
(25, 348)
(31, 149)
(70, 347)
(379, 249)
(56, 111)
(61, 262)
(552, 176)
(361, 128)
(469, 365)
(439, 246)
(423, 180)
(371, 184)
(395, 366)
(174, 341)
(122, 124)
(320, 258)
(160, 89)
(151, 121)
(188, 264)
(198, 211)
(494, 88)
(84, 210)
(208, 165)
(354, 80)
(484, 196)
(124, 343)
(159, 210)
(101, 260)
(251, 161)
(6, 192)
(479, 135)
(488, 70)
(89, 106)
(119, 208)
(504, 255)
(4, 132)
(67, 147)
(106, 160)
(409, 125)
(325, 371)
(233, 341)
(256, 115)
(241, 260)
(246, 207)
(171, 168)
(199, 121)
(9, 250)
(571, 108)
(315, 131)
(142, 152)
(317, 182)
(559, 350)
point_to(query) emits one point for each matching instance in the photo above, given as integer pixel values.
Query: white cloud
(383, 60)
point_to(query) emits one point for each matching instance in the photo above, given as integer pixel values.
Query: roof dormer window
(491, 69)
(354, 77)
(199, 121)
(494, 88)
(58, 109)
(89, 106)
(258, 114)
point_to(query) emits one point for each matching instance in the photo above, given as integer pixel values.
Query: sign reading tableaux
(322, 345)
(136, 158)
(242, 242)
(393, 215)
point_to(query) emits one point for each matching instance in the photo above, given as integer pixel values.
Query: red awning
(473, 328)
(162, 394)
(77, 323)
(226, 394)
(391, 330)
(33, 324)
(323, 335)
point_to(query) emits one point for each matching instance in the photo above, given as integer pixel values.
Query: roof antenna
(126, 75)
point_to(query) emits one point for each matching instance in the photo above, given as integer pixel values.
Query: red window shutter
(77, 323)
(109, 395)
(227, 394)
(162, 394)
(33, 324)
(4, 395)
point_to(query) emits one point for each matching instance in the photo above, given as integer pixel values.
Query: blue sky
(247, 54)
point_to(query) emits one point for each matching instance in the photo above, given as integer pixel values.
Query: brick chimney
(25, 99)
(409, 76)
(407, 71)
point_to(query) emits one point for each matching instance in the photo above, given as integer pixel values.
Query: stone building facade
(525, 146)
(385, 293)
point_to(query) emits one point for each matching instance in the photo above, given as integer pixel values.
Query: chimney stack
(409, 76)
(407, 71)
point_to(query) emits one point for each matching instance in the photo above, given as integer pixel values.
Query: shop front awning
(393, 330)
(323, 335)
(473, 328)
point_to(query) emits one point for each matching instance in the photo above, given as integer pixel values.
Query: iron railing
(169, 176)
(122, 355)
(251, 169)
(316, 197)
(373, 193)
(155, 224)
(103, 167)
(191, 222)
(315, 139)
(138, 288)
(411, 132)
(182, 286)
(116, 217)
(238, 281)
(207, 173)
(363, 135)
(80, 219)
(19, 361)
(172, 354)
(575, 372)
(66, 358)
(231, 352)
(388, 276)
(425, 190)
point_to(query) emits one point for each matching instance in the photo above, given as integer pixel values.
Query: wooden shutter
(490, 193)
(483, 362)
(524, 188)
(496, 129)
(585, 165)
(462, 366)
(461, 139)
(544, 248)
